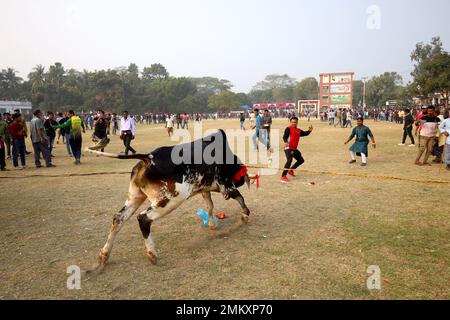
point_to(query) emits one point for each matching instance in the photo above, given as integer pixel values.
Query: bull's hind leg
(135, 198)
(145, 223)
(245, 212)
(210, 207)
(161, 206)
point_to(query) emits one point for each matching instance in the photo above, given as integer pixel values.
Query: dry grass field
(302, 242)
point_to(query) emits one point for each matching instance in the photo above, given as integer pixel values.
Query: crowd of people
(429, 127)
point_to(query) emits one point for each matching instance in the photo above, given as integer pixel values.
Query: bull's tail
(139, 156)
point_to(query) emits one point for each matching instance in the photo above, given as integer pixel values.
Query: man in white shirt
(127, 131)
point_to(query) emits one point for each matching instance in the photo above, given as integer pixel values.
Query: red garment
(294, 138)
(240, 174)
(17, 131)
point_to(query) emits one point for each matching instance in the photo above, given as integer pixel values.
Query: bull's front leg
(245, 212)
(225, 191)
(210, 208)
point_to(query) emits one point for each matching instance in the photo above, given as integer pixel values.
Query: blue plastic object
(204, 215)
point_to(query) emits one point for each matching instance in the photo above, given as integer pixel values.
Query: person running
(427, 136)
(40, 140)
(359, 148)
(407, 128)
(127, 131)
(18, 134)
(291, 138)
(74, 126)
(65, 134)
(100, 135)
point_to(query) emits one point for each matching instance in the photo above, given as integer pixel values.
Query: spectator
(8, 138)
(427, 136)
(18, 134)
(24, 125)
(40, 140)
(3, 133)
(50, 131)
(407, 128)
(444, 129)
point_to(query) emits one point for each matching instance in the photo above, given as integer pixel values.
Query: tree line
(153, 89)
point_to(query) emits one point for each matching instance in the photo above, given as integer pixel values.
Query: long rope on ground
(345, 174)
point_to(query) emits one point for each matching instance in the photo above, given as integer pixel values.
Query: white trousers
(363, 156)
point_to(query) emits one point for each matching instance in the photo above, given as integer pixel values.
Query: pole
(364, 97)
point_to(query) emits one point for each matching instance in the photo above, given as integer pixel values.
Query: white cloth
(127, 124)
(363, 156)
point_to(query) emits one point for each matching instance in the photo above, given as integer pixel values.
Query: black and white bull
(170, 175)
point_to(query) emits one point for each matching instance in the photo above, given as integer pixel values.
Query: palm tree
(37, 78)
(10, 83)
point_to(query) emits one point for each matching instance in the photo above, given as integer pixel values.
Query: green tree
(10, 84)
(155, 72)
(383, 88)
(273, 81)
(307, 89)
(358, 91)
(225, 101)
(433, 77)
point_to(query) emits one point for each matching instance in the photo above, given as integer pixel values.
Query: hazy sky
(238, 40)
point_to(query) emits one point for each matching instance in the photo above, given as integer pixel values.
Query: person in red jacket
(291, 139)
(18, 134)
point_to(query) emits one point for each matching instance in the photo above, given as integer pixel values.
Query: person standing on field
(40, 140)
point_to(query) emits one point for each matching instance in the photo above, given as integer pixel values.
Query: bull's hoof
(152, 258)
(102, 258)
(244, 218)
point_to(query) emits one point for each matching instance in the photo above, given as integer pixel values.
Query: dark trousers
(127, 143)
(18, 150)
(51, 142)
(292, 154)
(8, 144)
(2, 155)
(75, 145)
(408, 132)
(41, 148)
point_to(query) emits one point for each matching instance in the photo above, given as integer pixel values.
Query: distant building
(9, 106)
(336, 90)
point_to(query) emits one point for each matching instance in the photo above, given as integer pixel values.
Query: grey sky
(238, 40)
